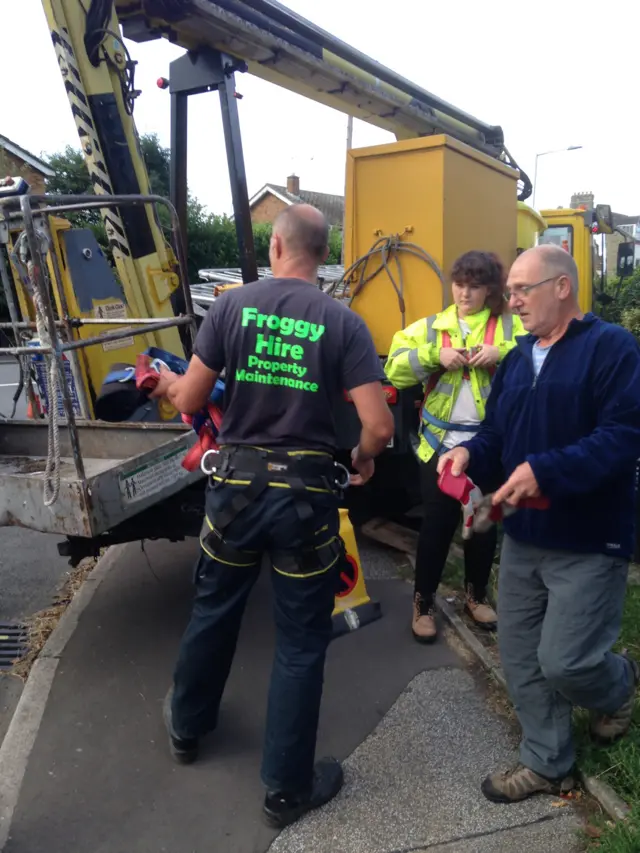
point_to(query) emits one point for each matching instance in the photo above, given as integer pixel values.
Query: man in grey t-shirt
(289, 352)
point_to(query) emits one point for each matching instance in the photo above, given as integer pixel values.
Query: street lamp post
(542, 154)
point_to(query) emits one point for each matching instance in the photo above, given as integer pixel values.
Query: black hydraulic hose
(527, 187)
(97, 19)
(385, 248)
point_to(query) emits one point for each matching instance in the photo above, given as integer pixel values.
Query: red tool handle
(457, 488)
(534, 503)
(146, 377)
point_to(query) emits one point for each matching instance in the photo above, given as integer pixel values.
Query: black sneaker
(281, 809)
(183, 750)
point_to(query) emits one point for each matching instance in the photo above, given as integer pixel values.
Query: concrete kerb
(23, 728)
(612, 804)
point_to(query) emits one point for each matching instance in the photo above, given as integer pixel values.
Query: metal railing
(50, 205)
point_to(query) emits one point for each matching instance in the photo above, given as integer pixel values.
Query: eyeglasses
(525, 289)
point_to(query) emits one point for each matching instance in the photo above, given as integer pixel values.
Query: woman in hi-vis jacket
(454, 355)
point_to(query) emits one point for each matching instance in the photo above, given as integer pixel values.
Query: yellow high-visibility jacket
(414, 358)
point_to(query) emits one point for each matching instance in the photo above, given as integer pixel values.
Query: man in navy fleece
(563, 421)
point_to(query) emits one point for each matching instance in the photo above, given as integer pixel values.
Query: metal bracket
(196, 72)
(206, 70)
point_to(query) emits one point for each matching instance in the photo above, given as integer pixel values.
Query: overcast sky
(551, 74)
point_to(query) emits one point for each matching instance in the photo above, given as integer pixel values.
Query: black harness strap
(215, 546)
(303, 507)
(307, 561)
(241, 500)
(260, 468)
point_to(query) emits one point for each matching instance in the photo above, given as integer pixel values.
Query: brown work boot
(424, 620)
(608, 728)
(478, 607)
(519, 783)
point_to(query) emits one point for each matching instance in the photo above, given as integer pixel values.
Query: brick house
(16, 161)
(267, 203)
(630, 225)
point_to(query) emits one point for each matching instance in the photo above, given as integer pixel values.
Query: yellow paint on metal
(94, 362)
(147, 281)
(530, 224)
(167, 410)
(574, 233)
(435, 192)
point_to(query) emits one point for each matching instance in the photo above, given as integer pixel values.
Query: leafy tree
(71, 175)
(158, 162)
(335, 246)
(211, 238)
(619, 298)
(72, 178)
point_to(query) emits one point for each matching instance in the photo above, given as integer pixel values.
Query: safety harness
(206, 423)
(427, 419)
(127, 385)
(256, 469)
(250, 471)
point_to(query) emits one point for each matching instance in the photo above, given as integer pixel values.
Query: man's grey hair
(557, 261)
(304, 231)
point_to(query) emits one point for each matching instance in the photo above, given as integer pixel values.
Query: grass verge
(618, 765)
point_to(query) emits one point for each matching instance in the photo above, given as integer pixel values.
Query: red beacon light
(162, 83)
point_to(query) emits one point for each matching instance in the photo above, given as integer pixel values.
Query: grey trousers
(559, 614)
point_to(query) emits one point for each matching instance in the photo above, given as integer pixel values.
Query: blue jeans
(303, 607)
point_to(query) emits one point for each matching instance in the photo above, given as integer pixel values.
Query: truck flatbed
(128, 468)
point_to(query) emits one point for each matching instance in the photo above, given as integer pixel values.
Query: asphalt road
(30, 568)
(31, 571)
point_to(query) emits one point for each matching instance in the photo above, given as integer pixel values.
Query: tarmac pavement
(410, 722)
(31, 572)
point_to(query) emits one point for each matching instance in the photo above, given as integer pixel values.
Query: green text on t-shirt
(274, 355)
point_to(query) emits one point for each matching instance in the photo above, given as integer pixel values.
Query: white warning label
(148, 479)
(113, 311)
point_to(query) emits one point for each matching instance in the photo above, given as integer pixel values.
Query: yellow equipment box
(433, 192)
(530, 224)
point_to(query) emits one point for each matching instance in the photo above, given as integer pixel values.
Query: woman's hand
(452, 359)
(487, 356)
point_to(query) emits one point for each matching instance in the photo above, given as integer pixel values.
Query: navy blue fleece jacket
(578, 425)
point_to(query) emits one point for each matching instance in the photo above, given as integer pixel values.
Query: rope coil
(25, 266)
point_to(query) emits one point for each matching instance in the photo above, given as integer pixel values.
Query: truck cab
(572, 231)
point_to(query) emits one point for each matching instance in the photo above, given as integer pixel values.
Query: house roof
(331, 205)
(35, 162)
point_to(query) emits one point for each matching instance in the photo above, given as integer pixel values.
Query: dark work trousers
(303, 605)
(441, 516)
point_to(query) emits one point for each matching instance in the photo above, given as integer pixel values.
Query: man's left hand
(521, 484)
(487, 356)
(364, 467)
(167, 378)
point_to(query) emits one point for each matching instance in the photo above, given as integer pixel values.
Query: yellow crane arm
(284, 48)
(96, 71)
(222, 37)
